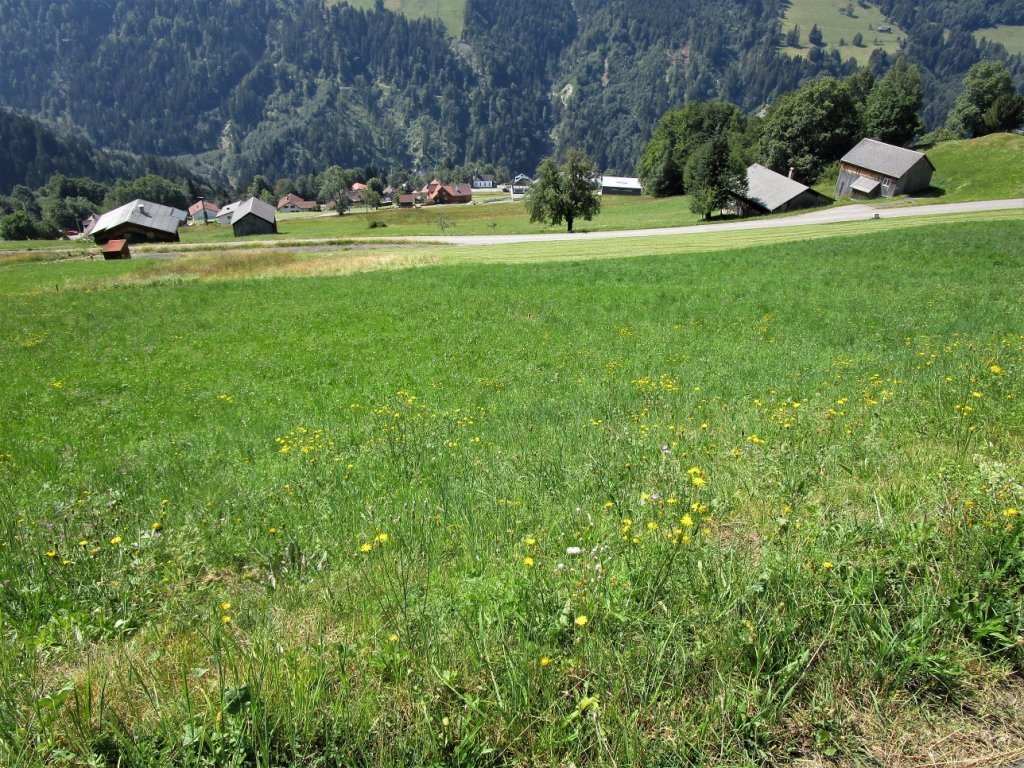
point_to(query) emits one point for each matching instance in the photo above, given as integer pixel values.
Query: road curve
(828, 216)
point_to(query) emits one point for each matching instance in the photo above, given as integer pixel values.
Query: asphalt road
(828, 216)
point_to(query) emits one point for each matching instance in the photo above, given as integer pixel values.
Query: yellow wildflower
(383, 538)
(52, 553)
(581, 621)
(366, 547)
(225, 619)
(157, 526)
(225, 606)
(115, 541)
(545, 661)
(528, 562)
(826, 565)
(392, 638)
(530, 541)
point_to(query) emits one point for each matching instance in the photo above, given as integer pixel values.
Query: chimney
(792, 171)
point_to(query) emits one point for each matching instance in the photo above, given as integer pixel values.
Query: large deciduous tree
(564, 192)
(984, 84)
(810, 128)
(891, 113)
(334, 185)
(677, 135)
(712, 172)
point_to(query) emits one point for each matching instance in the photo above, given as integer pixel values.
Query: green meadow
(449, 12)
(741, 506)
(1010, 37)
(839, 29)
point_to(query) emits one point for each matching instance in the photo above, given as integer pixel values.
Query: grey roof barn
(254, 217)
(771, 192)
(875, 168)
(139, 221)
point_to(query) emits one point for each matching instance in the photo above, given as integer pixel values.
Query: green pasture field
(493, 218)
(1011, 38)
(450, 12)
(731, 507)
(836, 26)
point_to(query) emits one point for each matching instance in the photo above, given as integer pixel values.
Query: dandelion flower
(1011, 512)
(366, 548)
(225, 606)
(995, 369)
(581, 621)
(697, 481)
(826, 565)
(115, 541)
(609, 504)
(52, 553)
(392, 638)
(225, 619)
(157, 526)
(383, 538)
(687, 521)
(572, 550)
(528, 562)
(545, 661)
(530, 541)
(83, 543)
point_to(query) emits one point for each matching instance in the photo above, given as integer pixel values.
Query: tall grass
(727, 508)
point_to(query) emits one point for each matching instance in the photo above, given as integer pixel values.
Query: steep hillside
(280, 88)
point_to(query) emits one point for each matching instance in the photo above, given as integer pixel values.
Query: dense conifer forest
(261, 87)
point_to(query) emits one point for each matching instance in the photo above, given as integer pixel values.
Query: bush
(377, 224)
(18, 226)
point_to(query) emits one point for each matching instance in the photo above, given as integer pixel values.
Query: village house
(619, 185)
(225, 213)
(436, 193)
(254, 217)
(874, 168)
(291, 203)
(483, 181)
(407, 200)
(203, 212)
(771, 192)
(520, 185)
(139, 221)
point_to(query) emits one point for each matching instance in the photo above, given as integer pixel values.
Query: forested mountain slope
(287, 88)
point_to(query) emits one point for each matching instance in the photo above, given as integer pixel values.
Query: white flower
(572, 550)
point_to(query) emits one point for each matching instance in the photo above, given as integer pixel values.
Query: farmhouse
(139, 222)
(203, 211)
(406, 200)
(254, 217)
(874, 168)
(483, 181)
(771, 192)
(619, 185)
(294, 204)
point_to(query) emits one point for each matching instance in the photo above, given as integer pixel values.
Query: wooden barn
(771, 192)
(874, 168)
(139, 222)
(254, 217)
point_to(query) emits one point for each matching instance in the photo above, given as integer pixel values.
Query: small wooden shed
(116, 249)
(254, 217)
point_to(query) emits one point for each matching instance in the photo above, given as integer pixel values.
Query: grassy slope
(848, 578)
(836, 26)
(989, 167)
(450, 12)
(1011, 38)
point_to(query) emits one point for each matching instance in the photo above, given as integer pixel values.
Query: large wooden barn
(139, 221)
(874, 168)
